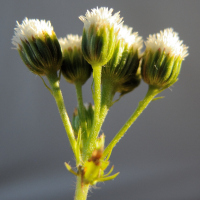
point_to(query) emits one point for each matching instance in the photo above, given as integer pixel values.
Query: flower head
(74, 67)
(99, 35)
(163, 58)
(123, 67)
(38, 46)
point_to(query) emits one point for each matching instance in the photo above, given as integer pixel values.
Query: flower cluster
(106, 41)
(112, 53)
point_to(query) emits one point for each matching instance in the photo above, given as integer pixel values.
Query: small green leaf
(109, 172)
(156, 98)
(108, 178)
(46, 85)
(69, 168)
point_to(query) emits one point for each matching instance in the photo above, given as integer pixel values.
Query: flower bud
(99, 35)
(123, 68)
(163, 58)
(38, 46)
(74, 67)
(75, 122)
(100, 142)
(89, 115)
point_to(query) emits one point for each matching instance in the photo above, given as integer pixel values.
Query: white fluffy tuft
(101, 16)
(132, 39)
(29, 28)
(70, 41)
(169, 41)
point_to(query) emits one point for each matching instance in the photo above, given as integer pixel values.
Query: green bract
(160, 69)
(98, 44)
(41, 55)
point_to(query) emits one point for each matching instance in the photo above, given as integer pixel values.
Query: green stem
(81, 190)
(152, 92)
(97, 92)
(81, 110)
(55, 85)
(89, 147)
(106, 100)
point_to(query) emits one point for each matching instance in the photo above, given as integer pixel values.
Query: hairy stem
(106, 100)
(56, 92)
(152, 92)
(81, 110)
(81, 190)
(90, 144)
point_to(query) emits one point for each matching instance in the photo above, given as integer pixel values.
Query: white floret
(70, 42)
(29, 28)
(132, 39)
(169, 41)
(101, 16)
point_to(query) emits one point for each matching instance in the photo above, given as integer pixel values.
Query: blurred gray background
(159, 157)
